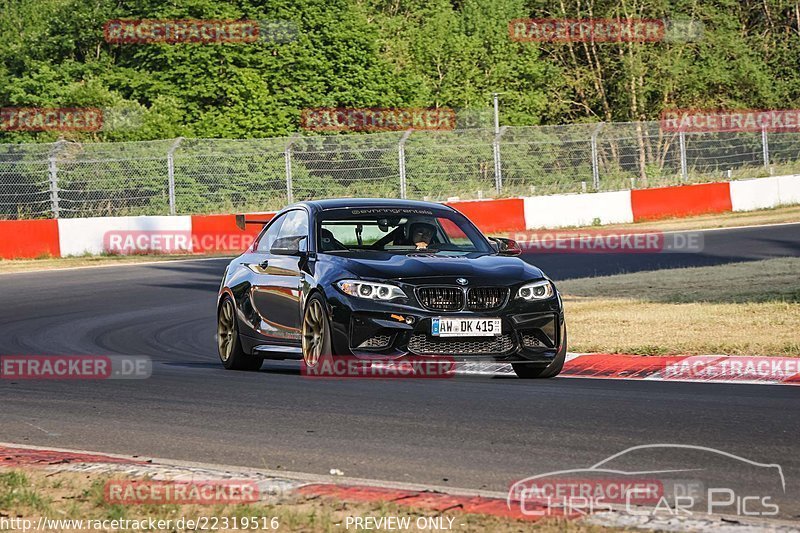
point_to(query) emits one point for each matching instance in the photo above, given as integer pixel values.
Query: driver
(421, 234)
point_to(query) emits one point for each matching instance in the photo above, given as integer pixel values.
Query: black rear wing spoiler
(241, 221)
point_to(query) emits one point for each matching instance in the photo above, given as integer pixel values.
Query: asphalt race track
(467, 432)
(720, 246)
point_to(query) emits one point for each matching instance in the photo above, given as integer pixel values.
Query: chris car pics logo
(685, 480)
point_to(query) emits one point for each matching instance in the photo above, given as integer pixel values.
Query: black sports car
(386, 279)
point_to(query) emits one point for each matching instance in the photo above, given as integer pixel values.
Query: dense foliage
(382, 53)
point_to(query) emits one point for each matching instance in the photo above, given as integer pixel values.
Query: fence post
(765, 146)
(401, 159)
(684, 167)
(287, 157)
(171, 173)
(595, 157)
(498, 170)
(52, 171)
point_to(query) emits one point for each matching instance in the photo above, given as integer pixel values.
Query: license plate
(465, 327)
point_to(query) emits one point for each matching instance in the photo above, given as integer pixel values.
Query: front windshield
(398, 231)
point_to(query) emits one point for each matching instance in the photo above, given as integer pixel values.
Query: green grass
(16, 490)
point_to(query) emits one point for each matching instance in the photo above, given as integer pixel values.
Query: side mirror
(290, 246)
(505, 246)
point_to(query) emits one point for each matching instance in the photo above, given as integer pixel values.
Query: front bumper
(531, 331)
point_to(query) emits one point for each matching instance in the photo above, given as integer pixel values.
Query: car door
(277, 285)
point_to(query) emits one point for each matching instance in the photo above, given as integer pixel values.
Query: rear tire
(229, 346)
(530, 371)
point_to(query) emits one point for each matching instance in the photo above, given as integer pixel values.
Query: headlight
(538, 290)
(370, 290)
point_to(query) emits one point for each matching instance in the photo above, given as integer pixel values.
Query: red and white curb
(682, 368)
(277, 487)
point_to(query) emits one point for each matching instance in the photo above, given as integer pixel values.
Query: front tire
(229, 346)
(316, 332)
(528, 371)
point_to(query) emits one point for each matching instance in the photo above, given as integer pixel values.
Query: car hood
(421, 267)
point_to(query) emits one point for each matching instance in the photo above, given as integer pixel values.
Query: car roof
(343, 203)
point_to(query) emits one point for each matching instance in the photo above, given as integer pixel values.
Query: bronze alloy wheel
(230, 350)
(315, 332)
(226, 330)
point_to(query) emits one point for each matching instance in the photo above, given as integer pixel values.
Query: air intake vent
(426, 345)
(441, 298)
(529, 340)
(486, 298)
(378, 341)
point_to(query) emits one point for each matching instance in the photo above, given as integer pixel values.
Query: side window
(268, 237)
(293, 230)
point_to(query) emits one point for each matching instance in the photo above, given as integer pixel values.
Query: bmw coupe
(386, 279)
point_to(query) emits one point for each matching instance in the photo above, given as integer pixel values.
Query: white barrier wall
(564, 210)
(761, 193)
(78, 236)
(789, 189)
